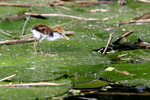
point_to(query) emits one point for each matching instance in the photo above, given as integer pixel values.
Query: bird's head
(60, 31)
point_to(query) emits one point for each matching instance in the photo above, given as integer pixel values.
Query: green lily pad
(91, 84)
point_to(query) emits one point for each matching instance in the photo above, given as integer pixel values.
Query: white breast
(37, 34)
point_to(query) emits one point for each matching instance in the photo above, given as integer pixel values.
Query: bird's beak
(66, 37)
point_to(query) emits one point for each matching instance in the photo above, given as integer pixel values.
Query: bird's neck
(54, 37)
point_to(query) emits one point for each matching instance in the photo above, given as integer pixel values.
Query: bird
(43, 32)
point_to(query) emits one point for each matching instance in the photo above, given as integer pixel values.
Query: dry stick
(19, 5)
(142, 21)
(107, 43)
(61, 15)
(144, 1)
(16, 17)
(69, 33)
(17, 41)
(125, 34)
(123, 55)
(124, 72)
(133, 21)
(56, 98)
(32, 84)
(93, 2)
(73, 25)
(7, 77)
(144, 58)
(76, 75)
(52, 3)
(122, 36)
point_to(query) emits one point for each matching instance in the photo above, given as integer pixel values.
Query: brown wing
(44, 29)
(58, 29)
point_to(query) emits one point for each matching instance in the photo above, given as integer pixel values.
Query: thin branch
(52, 3)
(7, 77)
(124, 72)
(125, 34)
(133, 21)
(27, 18)
(69, 33)
(5, 33)
(122, 36)
(93, 2)
(9, 34)
(76, 75)
(32, 84)
(142, 21)
(17, 41)
(108, 43)
(19, 5)
(61, 15)
(123, 55)
(16, 17)
(144, 58)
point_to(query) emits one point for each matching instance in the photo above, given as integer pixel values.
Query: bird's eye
(60, 33)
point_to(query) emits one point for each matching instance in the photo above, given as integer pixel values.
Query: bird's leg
(35, 46)
(38, 45)
(39, 48)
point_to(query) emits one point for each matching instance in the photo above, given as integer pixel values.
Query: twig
(17, 41)
(32, 84)
(19, 5)
(144, 58)
(108, 43)
(5, 33)
(93, 2)
(9, 34)
(7, 77)
(76, 75)
(61, 15)
(69, 33)
(56, 98)
(145, 1)
(124, 72)
(52, 3)
(133, 21)
(27, 18)
(73, 25)
(122, 36)
(125, 34)
(16, 17)
(142, 21)
(123, 55)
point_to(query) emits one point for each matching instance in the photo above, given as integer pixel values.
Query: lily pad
(91, 84)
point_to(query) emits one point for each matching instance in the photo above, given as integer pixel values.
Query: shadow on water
(108, 97)
(115, 92)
